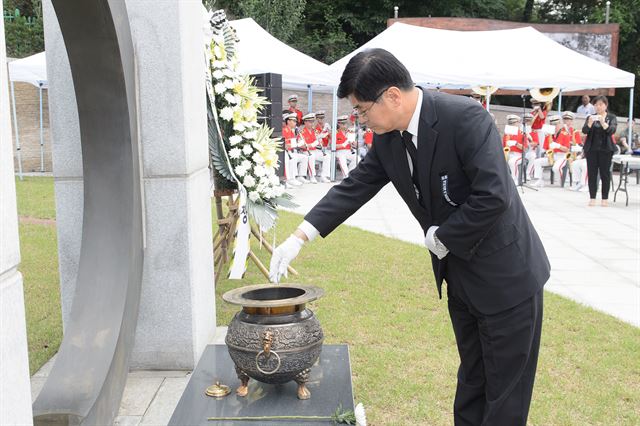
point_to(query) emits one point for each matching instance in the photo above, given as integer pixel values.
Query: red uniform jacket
(298, 113)
(539, 122)
(309, 138)
(563, 138)
(288, 135)
(324, 141)
(368, 137)
(341, 140)
(519, 138)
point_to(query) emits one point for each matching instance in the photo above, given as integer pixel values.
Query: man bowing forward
(452, 175)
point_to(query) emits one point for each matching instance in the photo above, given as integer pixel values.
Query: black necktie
(413, 154)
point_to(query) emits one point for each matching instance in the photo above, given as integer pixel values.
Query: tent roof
(260, 52)
(32, 69)
(503, 58)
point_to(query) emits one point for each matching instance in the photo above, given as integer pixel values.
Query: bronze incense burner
(274, 338)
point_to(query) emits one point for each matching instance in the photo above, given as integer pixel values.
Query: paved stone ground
(594, 252)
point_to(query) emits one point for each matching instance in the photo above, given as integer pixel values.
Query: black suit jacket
(498, 257)
(596, 130)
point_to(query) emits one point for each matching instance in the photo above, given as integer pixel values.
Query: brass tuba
(544, 94)
(550, 157)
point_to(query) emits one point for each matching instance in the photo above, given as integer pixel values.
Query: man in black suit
(452, 175)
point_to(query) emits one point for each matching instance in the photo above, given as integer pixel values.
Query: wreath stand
(224, 236)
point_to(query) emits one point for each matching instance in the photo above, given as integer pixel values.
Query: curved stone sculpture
(86, 383)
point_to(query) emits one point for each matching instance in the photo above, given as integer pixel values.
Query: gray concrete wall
(15, 388)
(177, 312)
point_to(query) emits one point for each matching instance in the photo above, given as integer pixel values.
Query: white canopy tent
(32, 70)
(463, 59)
(260, 52)
(447, 59)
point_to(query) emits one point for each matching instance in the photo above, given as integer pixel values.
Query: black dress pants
(599, 161)
(498, 359)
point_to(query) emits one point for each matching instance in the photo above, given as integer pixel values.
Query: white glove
(554, 145)
(282, 256)
(511, 142)
(434, 244)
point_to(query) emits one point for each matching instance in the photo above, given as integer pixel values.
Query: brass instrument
(484, 90)
(506, 153)
(544, 94)
(550, 157)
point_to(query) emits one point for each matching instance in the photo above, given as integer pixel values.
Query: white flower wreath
(242, 150)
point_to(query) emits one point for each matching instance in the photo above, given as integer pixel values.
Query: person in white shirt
(587, 107)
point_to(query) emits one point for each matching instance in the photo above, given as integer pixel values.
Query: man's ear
(393, 96)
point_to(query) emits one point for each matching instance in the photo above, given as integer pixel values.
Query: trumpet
(506, 153)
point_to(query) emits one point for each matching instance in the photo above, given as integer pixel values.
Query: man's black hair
(369, 73)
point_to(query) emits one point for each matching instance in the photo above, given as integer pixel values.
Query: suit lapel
(401, 163)
(427, 137)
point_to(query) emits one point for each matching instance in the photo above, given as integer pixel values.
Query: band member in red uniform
(345, 153)
(560, 144)
(310, 143)
(295, 163)
(579, 163)
(539, 112)
(293, 107)
(534, 144)
(323, 130)
(516, 143)
(368, 138)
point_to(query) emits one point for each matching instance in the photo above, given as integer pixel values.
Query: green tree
(280, 18)
(24, 35)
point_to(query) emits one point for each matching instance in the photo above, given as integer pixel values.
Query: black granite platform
(330, 386)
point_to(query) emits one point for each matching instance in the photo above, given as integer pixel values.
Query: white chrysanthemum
(219, 64)
(226, 113)
(229, 84)
(218, 74)
(235, 140)
(257, 158)
(361, 418)
(249, 181)
(255, 145)
(278, 190)
(220, 88)
(230, 98)
(259, 170)
(238, 98)
(217, 51)
(247, 164)
(250, 135)
(270, 171)
(235, 153)
(247, 150)
(254, 196)
(229, 72)
(239, 126)
(240, 170)
(274, 179)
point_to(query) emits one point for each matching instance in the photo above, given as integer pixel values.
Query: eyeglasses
(363, 113)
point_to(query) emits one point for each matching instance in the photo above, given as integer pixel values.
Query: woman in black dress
(599, 148)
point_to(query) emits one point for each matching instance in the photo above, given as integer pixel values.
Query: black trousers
(599, 161)
(498, 359)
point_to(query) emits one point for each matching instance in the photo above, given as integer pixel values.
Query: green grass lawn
(380, 299)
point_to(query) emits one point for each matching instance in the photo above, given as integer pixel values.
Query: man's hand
(282, 256)
(434, 244)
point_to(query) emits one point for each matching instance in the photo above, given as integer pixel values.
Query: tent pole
(560, 103)
(334, 124)
(41, 133)
(310, 98)
(630, 122)
(15, 129)
(488, 98)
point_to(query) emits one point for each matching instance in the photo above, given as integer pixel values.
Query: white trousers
(514, 161)
(346, 161)
(294, 166)
(560, 161)
(317, 156)
(579, 171)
